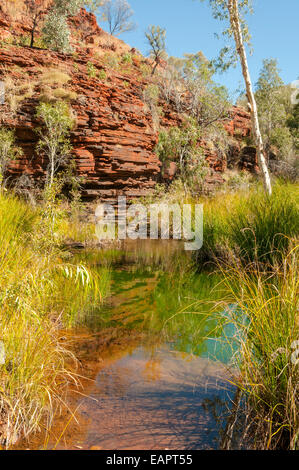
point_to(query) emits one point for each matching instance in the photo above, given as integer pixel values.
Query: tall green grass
(269, 372)
(253, 239)
(40, 293)
(250, 225)
(262, 227)
(245, 223)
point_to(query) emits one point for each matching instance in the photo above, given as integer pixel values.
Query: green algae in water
(156, 290)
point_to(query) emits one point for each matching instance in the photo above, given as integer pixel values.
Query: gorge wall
(115, 137)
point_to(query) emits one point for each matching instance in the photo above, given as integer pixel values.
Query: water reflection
(159, 397)
(157, 400)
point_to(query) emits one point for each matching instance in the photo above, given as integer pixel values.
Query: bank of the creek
(155, 363)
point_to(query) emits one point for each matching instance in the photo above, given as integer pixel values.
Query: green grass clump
(91, 70)
(102, 75)
(250, 225)
(40, 293)
(261, 226)
(268, 364)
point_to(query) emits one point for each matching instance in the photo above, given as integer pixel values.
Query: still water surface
(171, 388)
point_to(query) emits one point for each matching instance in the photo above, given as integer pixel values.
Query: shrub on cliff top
(56, 33)
(91, 70)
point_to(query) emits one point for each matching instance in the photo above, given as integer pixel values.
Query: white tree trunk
(237, 31)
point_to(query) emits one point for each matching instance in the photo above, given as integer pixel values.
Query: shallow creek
(164, 383)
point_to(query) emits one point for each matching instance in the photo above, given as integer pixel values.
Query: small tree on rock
(56, 32)
(156, 37)
(35, 10)
(54, 140)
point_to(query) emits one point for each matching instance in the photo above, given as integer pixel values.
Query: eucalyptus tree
(233, 13)
(293, 122)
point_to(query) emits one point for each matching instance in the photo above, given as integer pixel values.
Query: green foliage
(91, 70)
(35, 12)
(274, 105)
(54, 135)
(244, 225)
(269, 78)
(8, 151)
(293, 123)
(228, 55)
(267, 374)
(102, 75)
(263, 230)
(255, 228)
(111, 60)
(39, 293)
(145, 69)
(187, 84)
(127, 58)
(281, 138)
(56, 33)
(156, 37)
(151, 96)
(181, 145)
(68, 7)
(24, 40)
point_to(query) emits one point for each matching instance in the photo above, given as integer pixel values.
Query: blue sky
(190, 28)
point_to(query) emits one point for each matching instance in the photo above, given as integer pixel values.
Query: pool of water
(156, 399)
(170, 388)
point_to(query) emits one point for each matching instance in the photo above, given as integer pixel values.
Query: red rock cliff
(114, 139)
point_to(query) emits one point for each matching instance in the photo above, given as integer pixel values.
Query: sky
(191, 28)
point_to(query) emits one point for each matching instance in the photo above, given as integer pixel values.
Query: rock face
(113, 142)
(240, 156)
(239, 124)
(115, 137)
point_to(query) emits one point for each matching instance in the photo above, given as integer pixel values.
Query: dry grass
(17, 91)
(54, 77)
